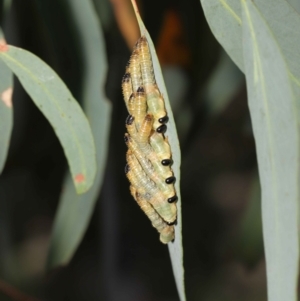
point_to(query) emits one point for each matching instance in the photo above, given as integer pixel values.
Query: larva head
(167, 234)
(130, 126)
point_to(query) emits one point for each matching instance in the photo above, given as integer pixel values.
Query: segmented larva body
(154, 98)
(138, 177)
(144, 133)
(140, 181)
(146, 63)
(135, 70)
(140, 106)
(167, 232)
(154, 169)
(161, 147)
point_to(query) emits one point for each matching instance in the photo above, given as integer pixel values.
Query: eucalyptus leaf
(224, 18)
(6, 108)
(175, 248)
(56, 102)
(274, 119)
(74, 212)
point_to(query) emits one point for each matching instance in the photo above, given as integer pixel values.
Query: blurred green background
(120, 257)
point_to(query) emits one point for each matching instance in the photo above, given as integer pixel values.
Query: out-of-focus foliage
(74, 212)
(6, 109)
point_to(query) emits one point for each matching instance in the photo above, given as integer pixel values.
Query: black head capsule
(173, 199)
(126, 78)
(164, 119)
(127, 168)
(161, 129)
(166, 162)
(129, 120)
(140, 89)
(170, 180)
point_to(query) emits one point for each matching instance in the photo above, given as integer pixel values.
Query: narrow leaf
(6, 109)
(224, 18)
(63, 112)
(175, 248)
(272, 107)
(75, 211)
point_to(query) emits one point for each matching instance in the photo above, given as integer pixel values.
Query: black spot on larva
(131, 96)
(164, 119)
(140, 89)
(173, 223)
(126, 138)
(126, 78)
(170, 180)
(173, 199)
(127, 168)
(161, 129)
(129, 120)
(166, 162)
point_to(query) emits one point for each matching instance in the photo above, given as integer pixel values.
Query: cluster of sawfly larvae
(149, 156)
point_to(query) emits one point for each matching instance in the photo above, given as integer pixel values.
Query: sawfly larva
(139, 179)
(155, 100)
(134, 69)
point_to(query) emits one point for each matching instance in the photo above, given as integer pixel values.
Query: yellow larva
(155, 100)
(146, 63)
(166, 231)
(141, 181)
(134, 69)
(140, 106)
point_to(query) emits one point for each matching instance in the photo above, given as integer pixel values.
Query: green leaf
(175, 248)
(224, 18)
(74, 210)
(274, 119)
(6, 108)
(55, 101)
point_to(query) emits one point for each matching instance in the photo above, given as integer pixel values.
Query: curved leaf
(175, 248)
(274, 118)
(6, 108)
(63, 112)
(225, 20)
(75, 211)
